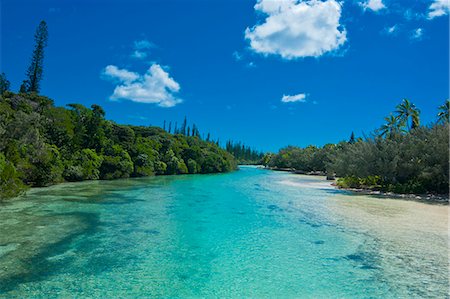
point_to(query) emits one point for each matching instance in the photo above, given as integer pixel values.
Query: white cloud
(141, 49)
(438, 8)
(417, 34)
(294, 28)
(139, 54)
(120, 74)
(237, 56)
(143, 44)
(301, 97)
(154, 87)
(393, 30)
(374, 5)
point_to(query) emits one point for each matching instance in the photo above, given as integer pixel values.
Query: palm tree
(443, 114)
(391, 127)
(405, 111)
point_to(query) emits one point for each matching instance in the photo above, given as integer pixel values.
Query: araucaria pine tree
(35, 70)
(4, 83)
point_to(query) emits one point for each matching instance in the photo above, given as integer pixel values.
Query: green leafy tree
(10, 183)
(146, 156)
(116, 163)
(42, 166)
(85, 166)
(266, 159)
(35, 70)
(193, 166)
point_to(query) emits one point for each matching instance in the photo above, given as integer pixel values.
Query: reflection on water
(251, 233)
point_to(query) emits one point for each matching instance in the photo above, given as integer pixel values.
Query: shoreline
(427, 198)
(31, 189)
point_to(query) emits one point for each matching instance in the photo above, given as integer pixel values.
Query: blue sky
(269, 73)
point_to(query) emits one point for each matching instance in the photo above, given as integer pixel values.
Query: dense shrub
(10, 183)
(412, 162)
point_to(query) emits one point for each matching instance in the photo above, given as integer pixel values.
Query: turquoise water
(251, 233)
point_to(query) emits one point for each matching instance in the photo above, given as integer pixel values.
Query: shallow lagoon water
(251, 233)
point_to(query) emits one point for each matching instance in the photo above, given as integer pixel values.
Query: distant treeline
(244, 154)
(402, 156)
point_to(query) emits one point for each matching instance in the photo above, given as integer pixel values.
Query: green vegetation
(41, 144)
(244, 154)
(35, 70)
(401, 156)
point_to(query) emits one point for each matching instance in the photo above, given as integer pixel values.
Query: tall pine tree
(183, 126)
(4, 83)
(352, 139)
(35, 70)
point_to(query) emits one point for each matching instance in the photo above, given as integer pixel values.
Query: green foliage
(116, 163)
(4, 84)
(46, 145)
(414, 162)
(443, 114)
(406, 111)
(266, 159)
(244, 154)
(10, 183)
(85, 166)
(42, 166)
(307, 159)
(370, 182)
(35, 70)
(193, 167)
(403, 157)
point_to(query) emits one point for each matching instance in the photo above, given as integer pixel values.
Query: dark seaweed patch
(39, 266)
(363, 260)
(274, 208)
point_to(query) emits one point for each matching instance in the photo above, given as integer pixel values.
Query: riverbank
(430, 198)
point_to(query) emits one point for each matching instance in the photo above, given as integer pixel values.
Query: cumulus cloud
(438, 8)
(294, 28)
(154, 87)
(374, 5)
(122, 75)
(301, 97)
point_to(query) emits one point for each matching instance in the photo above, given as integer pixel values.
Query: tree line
(187, 130)
(41, 144)
(244, 154)
(401, 156)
